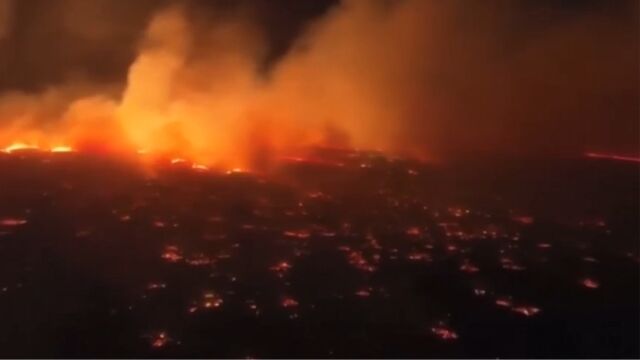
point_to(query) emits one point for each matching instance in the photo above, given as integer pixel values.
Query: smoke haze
(227, 86)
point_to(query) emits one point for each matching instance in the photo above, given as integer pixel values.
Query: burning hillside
(318, 178)
(413, 78)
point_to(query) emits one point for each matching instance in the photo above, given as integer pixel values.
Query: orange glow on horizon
(210, 108)
(19, 146)
(61, 149)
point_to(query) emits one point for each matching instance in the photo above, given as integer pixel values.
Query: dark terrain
(338, 255)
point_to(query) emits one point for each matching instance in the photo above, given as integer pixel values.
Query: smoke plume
(429, 79)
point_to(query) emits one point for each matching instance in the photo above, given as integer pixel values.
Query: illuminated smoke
(431, 79)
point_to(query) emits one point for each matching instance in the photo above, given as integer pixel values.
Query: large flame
(211, 107)
(412, 77)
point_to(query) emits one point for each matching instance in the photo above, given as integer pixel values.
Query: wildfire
(18, 146)
(155, 286)
(199, 167)
(479, 292)
(503, 302)
(61, 149)
(234, 120)
(301, 234)
(590, 283)
(468, 267)
(211, 300)
(444, 333)
(289, 302)
(281, 268)
(160, 340)
(527, 311)
(178, 161)
(9, 222)
(172, 254)
(612, 157)
(235, 171)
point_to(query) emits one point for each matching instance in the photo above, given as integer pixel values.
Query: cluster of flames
(360, 77)
(18, 146)
(212, 110)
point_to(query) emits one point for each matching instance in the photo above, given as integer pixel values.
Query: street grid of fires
(338, 254)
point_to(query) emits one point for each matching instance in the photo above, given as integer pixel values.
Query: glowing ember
(211, 300)
(300, 234)
(19, 146)
(590, 283)
(469, 268)
(199, 167)
(172, 254)
(160, 340)
(12, 222)
(359, 262)
(419, 257)
(509, 264)
(159, 224)
(178, 161)
(524, 220)
(479, 292)
(458, 212)
(253, 307)
(281, 268)
(155, 286)
(199, 260)
(444, 333)
(612, 157)
(526, 310)
(235, 171)
(61, 149)
(289, 302)
(503, 302)
(513, 267)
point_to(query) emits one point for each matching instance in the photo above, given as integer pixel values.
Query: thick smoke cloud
(455, 78)
(432, 79)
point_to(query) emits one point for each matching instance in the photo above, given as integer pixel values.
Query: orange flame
(19, 146)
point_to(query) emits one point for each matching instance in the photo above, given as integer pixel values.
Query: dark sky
(42, 49)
